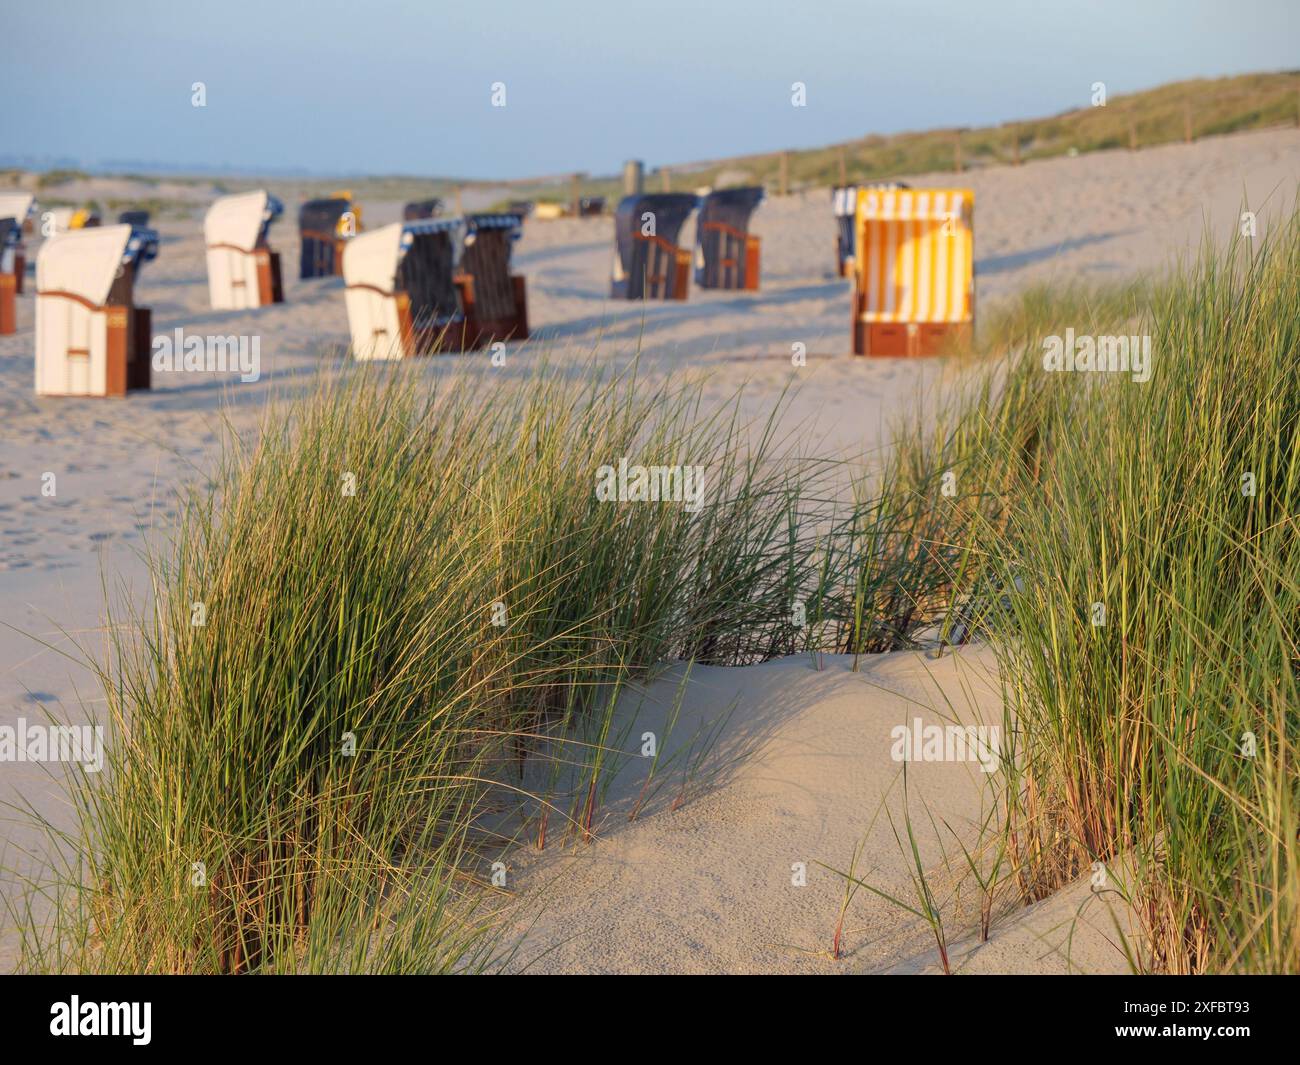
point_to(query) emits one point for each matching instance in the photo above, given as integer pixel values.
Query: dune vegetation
(368, 616)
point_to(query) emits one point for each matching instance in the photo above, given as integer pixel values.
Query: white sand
(803, 771)
(118, 464)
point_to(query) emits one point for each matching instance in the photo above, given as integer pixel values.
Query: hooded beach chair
(139, 219)
(325, 226)
(726, 256)
(21, 207)
(844, 205)
(648, 264)
(243, 271)
(401, 291)
(913, 270)
(11, 235)
(91, 339)
(494, 300)
(418, 209)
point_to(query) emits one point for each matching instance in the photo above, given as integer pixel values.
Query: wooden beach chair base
(907, 339)
(681, 275)
(270, 285)
(128, 348)
(8, 305)
(479, 331)
(449, 338)
(753, 262)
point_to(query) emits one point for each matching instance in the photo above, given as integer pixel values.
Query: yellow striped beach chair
(913, 270)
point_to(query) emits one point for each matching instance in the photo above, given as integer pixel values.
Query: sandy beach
(797, 773)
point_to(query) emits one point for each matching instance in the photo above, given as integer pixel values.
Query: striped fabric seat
(914, 255)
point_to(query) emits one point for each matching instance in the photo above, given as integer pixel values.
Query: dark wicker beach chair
(322, 239)
(494, 300)
(726, 256)
(648, 263)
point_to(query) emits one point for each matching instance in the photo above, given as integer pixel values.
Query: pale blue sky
(400, 86)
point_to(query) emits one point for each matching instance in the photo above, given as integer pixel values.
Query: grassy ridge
(1142, 119)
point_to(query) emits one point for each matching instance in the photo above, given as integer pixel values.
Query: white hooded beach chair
(91, 339)
(242, 269)
(913, 270)
(401, 291)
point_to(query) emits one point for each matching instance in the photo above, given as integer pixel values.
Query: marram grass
(361, 623)
(1132, 551)
(370, 615)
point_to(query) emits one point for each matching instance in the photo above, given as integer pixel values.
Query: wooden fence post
(666, 176)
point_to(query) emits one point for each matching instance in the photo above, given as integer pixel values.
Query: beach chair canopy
(669, 210)
(17, 205)
(241, 222)
(417, 209)
(914, 259)
(323, 216)
(731, 207)
(139, 219)
(85, 262)
(721, 233)
(638, 254)
(508, 224)
(589, 206)
(844, 205)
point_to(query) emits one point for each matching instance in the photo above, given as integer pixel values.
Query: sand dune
(802, 772)
(705, 887)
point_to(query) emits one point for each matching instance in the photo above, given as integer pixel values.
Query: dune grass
(1131, 551)
(371, 615)
(364, 619)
